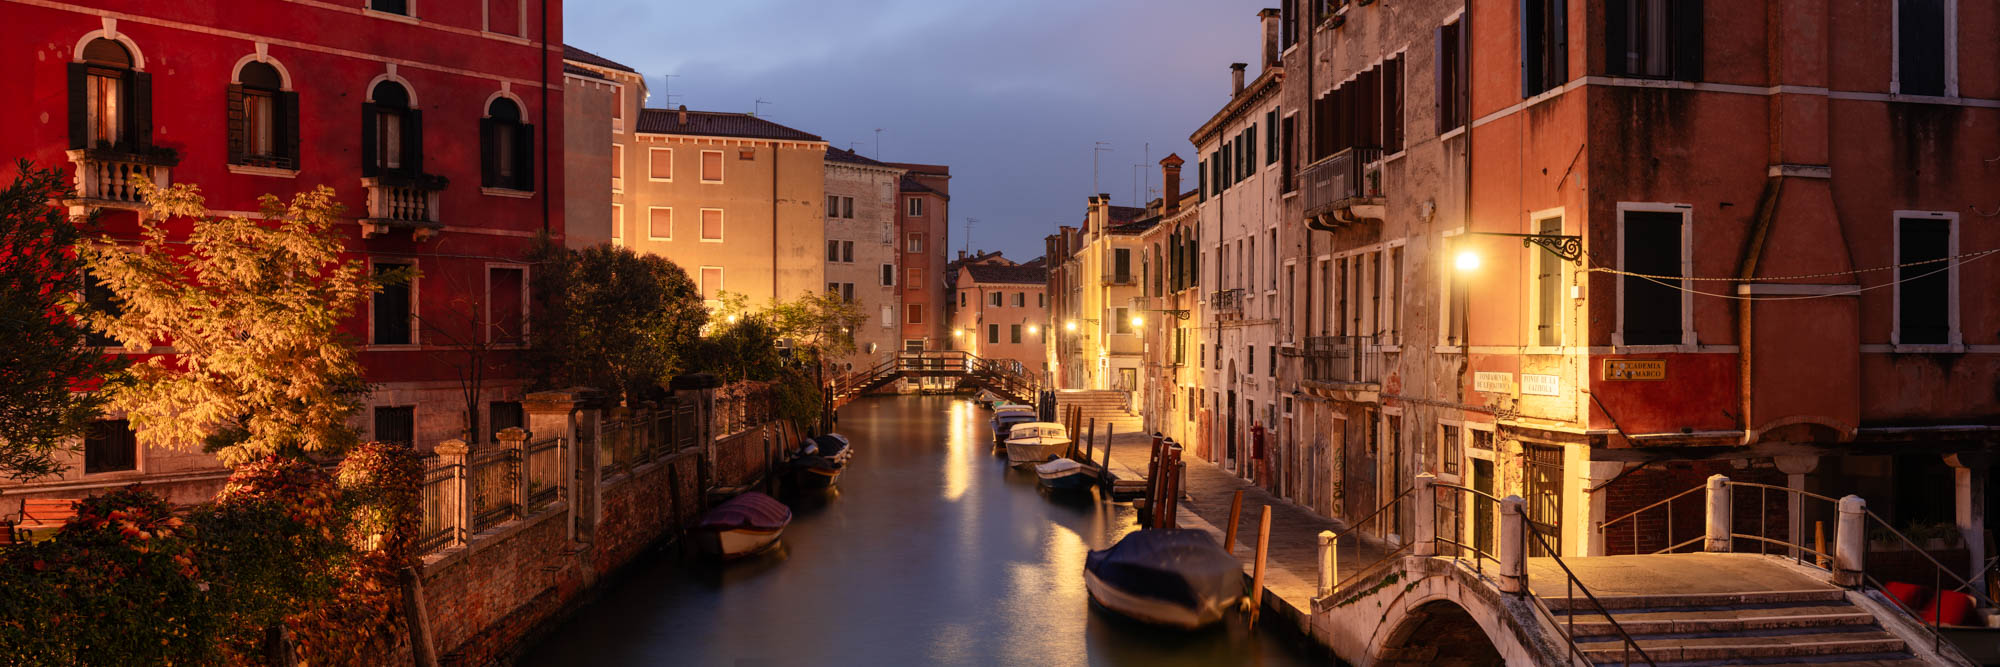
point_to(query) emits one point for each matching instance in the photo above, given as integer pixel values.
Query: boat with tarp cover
(1006, 417)
(744, 525)
(1177, 578)
(1066, 475)
(820, 461)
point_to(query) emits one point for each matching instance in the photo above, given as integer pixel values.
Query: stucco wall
(873, 232)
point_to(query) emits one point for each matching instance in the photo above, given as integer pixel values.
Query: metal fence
(1339, 178)
(493, 480)
(1342, 359)
(544, 469)
(437, 527)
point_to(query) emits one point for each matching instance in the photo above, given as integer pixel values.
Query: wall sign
(1493, 383)
(1635, 369)
(1541, 385)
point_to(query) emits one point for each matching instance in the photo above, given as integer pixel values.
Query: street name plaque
(1635, 369)
(1493, 383)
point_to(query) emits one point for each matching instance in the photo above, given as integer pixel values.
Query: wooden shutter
(1461, 80)
(369, 159)
(524, 157)
(1617, 23)
(139, 101)
(413, 142)
(489, 153)
(1530, 69)
(79, 102)
(1558, 43)
(239, 135)
(1440, 82)
(288, 128)
(1687, 40)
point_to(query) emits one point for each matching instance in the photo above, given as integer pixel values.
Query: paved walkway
(1291, 566)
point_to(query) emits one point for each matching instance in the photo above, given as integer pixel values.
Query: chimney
(1236, 78)
(684, 108)
(961, 255)
(1271, 21)
(1170, 185)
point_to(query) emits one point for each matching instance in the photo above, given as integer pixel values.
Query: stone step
(1696, 600)
(1661, 626)
(1734, 648)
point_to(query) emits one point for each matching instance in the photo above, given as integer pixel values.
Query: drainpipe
(1746, 269)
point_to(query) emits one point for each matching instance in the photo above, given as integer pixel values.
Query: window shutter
(1687, 46)
(368, 157)
(1530, 71)
(489, 153)
(1617, 23)
(238, 133)
(79, 101)
(1439, 82)
(288, 127)
(1461, 83)
(413, 142)
(139, 95)
(524, 157)
(1558, 42)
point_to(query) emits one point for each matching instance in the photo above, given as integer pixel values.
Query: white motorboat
(1036, 442)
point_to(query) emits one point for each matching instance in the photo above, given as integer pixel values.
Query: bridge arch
(1396, 615)
(1437, 632)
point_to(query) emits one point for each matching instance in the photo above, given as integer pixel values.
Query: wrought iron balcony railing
(1226, 303)
(1342, 359)
(1342, 180)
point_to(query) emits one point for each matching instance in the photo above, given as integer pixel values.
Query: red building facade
(432, 121)
(923, 222)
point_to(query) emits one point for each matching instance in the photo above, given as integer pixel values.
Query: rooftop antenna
(760, 108)
(667, 89)
(878, 143)
(969, 222)
(1095, 150)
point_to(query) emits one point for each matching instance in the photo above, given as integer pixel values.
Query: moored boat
(1066, 475)
(1176, 578)
(1036, 442)
(1005, 418)
(820, 461)
(744, 525)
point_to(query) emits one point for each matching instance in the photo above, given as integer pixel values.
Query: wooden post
(1090, 441)
(1819, 543)
(1153, 474)
(417, 619)
(1235, 513)
(1179, 481)
(1257, 573)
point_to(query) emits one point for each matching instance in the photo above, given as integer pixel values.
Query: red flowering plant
(365, 620)
(272, 538)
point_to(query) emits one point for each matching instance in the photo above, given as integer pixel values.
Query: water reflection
(931, 551)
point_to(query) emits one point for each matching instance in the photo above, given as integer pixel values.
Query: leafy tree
(814, 328)
(46, 355)
(254, 311)
(746, 349)
(608, 318)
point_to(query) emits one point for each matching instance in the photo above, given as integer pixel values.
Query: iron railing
(437, 527)
(1226, 302)
(1342, 359)
(1335, 180)
(544, 469)
(492, 479)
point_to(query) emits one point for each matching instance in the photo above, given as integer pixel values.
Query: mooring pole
(1257, 572)
(1235, 513)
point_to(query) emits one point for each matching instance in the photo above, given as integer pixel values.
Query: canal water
(930, 552)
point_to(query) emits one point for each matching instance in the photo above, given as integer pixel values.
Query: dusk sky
(1012, 95)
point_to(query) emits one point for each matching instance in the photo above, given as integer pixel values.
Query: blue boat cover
(830, 444)
(751, 510)
(1180, 566)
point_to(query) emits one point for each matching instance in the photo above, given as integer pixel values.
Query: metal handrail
(1352, 527)
(1963, 585)
(1479, 556)
(1573, 585)
(1368, 569)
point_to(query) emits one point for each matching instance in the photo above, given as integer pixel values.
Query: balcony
(108, 178)
(1344, 189)
(1226, 304)
(1127, 278)
(403, 202)
(1344, 367)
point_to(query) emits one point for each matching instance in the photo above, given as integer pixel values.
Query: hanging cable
(1802, 297)
(1967, 256)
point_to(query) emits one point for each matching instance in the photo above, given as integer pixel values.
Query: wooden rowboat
(743, 526)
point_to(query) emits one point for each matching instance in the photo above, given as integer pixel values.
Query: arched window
(392, 133)
(263, 119)
(506, 147)
(110, 103)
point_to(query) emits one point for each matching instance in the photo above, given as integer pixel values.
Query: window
(1924, 300)
(888, 275)
(396, 424)
(506, 147)
(711, 225)
(1041, 300)
(711, 283)
(1290, 167)
(1271, 136)
(913, 279)
(1020, 299)
(838, 206)
(992, 334)
(1249, 360)
(506, 305)
(1271, 360)
(1548, 288)
(997, 298)
(617, 166)
(263, 119)
(1459, 300)
(1013, 333)
(1658, 39)
(840, 251)
(110, 446)
(110, 104)
(913, 207)
(844, 290)
(503, 415)
(913, 313)
(915, 242)
(617, 102)
(1392, 105)
(1651, 307)
(1120, 322)
(393, 315)
(506, 17)
(1121, 265)
(1395, 278)
(1544, 44)
(961, 298)
(1924, 59)
(888, 316)
(847, 207)
(391, 133)
(660, 223)
(617, 223)
(401, 7)
(833, 251)
(711, 166)
(100, 299)
(1201, 178)
(660, 164)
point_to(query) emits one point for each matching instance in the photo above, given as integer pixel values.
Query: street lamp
(957, 333)
(1138, 321)
(1467, 260)
(1032, 329)
(1069, 326)
(732, 318)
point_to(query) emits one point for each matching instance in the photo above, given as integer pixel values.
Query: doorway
(1483, 510)
(1229, 438)
(1544, 506)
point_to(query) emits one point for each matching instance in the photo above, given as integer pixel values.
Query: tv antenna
(760, 108)
(667, 89)
(1095, 150)
(969, 222)
(878, 143)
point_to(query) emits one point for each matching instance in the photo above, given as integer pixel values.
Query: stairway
(1104, 405)
(1819, 627)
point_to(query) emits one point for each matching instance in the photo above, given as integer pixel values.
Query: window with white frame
(1450, 448)
(1925, 38)
(711, 283)
(1549, 287)
(711, 225)
(660, 223)
(913, 207)
(888, 275)
(711, 166)
(997, 298)
(888, 316)
(617, 223)
(393, 309)
(1652, 252)
(660, 164)
(914, 243)
(1926, 279)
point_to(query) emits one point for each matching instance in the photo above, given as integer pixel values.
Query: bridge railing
(1567, 627)
(1845, 558)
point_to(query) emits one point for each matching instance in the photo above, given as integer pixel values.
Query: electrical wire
(1802, 297)
(1832, 274)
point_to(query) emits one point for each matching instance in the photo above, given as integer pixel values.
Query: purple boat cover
(751, 510)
